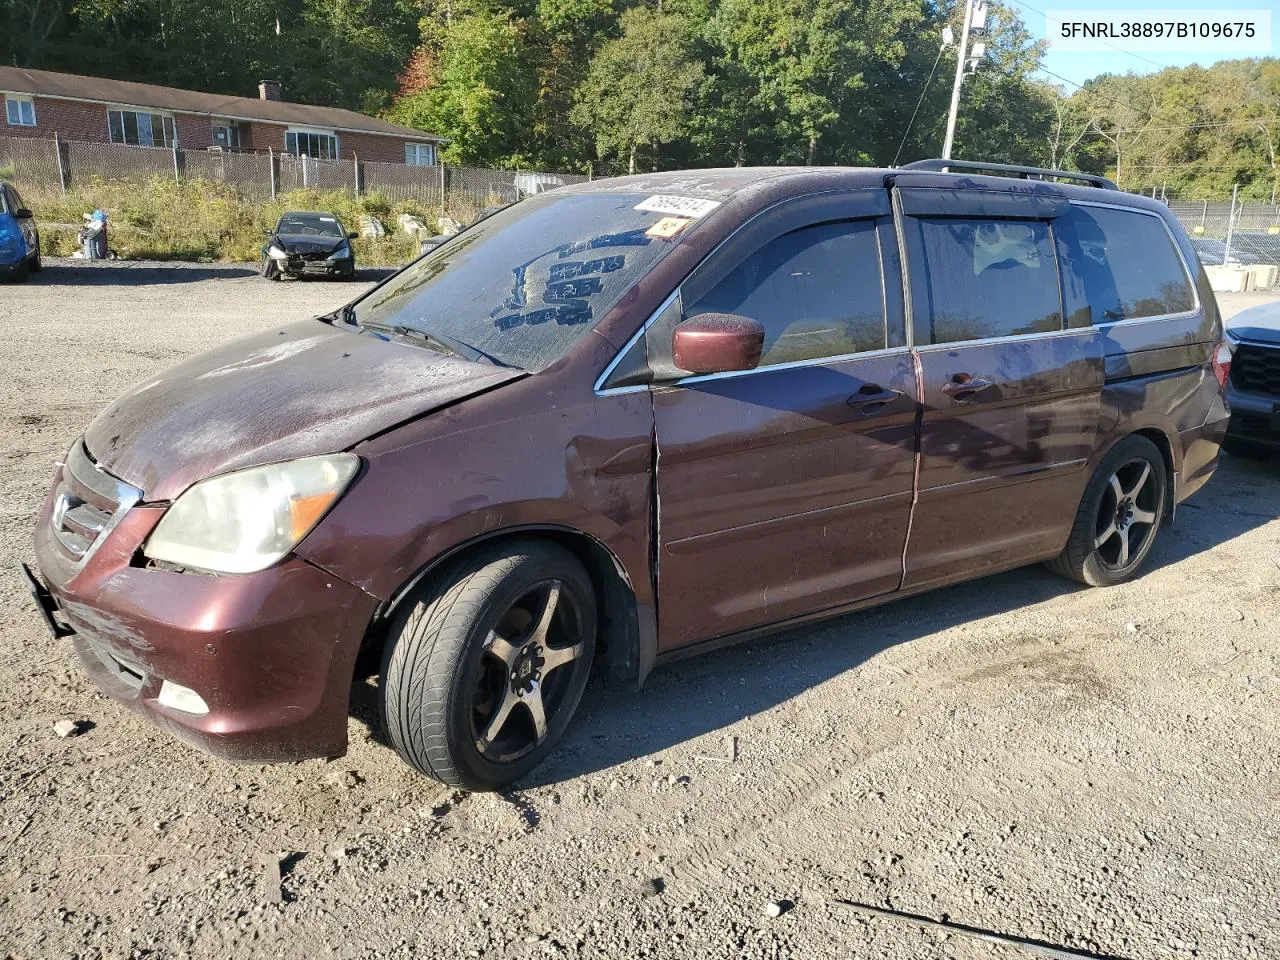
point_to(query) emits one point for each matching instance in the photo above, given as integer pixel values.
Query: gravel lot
(1091, 768)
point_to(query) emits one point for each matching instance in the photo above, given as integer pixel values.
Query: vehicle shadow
(134, 274)
(691, 698)
(129, 273)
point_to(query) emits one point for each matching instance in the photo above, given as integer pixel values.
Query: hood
(1261, 323)
(306, 389)
(306, 243)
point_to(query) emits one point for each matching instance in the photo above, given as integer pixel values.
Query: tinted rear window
(987, 278)
(524, 284)
(1120, 265)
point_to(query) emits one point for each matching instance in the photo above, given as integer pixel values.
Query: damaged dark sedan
(309, 244)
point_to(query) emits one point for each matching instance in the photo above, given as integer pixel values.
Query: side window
(985, 278)
(817, 290)
(1119, 265)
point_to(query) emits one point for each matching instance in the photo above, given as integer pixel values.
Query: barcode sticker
(678, 206)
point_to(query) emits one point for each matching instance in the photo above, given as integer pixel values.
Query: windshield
(309, 225)
(524, 284)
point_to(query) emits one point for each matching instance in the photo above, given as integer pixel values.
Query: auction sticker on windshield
(678, 206)
(667, 227)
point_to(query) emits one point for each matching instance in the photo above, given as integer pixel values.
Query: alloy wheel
(529, 659)
(1128, 515)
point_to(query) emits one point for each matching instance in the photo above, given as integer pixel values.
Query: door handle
(963, 388)
(871, 397)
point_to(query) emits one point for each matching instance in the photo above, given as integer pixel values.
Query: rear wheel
(1119, 516)
(484, 669)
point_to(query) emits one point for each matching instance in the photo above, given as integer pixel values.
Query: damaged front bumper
(267, 656)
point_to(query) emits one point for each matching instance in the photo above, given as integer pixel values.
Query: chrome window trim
(1197, 304)
(789, 365)
(1015, 338)
(598, 387)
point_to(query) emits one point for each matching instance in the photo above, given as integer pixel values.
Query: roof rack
(1026, 173)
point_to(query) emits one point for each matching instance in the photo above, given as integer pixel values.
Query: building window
(316, 144)
(20, 111)
(420, 154)
(226, 135)
(141, 129)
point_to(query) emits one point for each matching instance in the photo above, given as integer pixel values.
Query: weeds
(206, 220)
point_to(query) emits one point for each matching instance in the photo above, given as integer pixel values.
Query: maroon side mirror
(717, 343)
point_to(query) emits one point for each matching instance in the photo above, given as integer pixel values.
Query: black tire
(21, 271)
(1090, 559)
(34, 264)
(269, 269)
(463, 658)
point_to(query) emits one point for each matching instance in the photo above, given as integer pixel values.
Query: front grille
(88, 502)
(1256, 370)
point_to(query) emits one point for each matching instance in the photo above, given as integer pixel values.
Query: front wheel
(484, 669)
(34, 264)
(1119, 516)
(269, 269)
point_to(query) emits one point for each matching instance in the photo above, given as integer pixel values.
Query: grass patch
(208, 221)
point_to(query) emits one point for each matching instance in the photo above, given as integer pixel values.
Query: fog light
(178, 697)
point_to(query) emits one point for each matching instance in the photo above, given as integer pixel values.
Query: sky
(1077, 67)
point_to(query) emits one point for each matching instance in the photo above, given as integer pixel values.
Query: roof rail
(1026, 173)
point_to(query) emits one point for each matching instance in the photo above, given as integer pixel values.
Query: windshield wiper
(437, 340)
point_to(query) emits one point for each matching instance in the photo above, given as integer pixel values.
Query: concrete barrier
(1229, 279)
(1262, 276)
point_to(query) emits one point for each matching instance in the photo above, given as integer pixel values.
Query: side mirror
(353, 235)
(24, 214)
(717, 343)
(268, 232)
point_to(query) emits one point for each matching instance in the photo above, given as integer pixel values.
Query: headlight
(276, 253)
(342, 253)
(246, 521)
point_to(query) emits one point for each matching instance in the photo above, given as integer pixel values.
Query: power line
(905, 133)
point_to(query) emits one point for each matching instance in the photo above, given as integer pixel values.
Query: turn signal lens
(1221, 363)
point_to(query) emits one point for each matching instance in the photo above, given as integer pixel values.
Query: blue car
(19, 239)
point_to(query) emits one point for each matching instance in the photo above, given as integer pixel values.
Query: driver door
(786, 489)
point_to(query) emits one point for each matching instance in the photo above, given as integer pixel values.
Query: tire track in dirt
(797, 787)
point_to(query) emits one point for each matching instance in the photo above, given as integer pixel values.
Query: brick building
(39, 103)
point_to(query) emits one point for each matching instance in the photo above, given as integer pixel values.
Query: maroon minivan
(627, 420)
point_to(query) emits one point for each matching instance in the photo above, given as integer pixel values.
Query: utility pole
(975, 20)
(1231, 224)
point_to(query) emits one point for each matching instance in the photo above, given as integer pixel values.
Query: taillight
(1221, 363)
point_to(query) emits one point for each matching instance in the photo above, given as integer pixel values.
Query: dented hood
(306, 389)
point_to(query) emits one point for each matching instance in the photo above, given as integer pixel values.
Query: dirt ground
(1096, 769)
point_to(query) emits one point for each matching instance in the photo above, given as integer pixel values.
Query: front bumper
(1254, 418)
(297, 267)
(271, 653)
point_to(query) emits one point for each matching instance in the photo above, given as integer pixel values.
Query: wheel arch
(1165, 445)
(626, 629)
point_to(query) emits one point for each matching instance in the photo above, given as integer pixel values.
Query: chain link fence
(1246, 236)
(65, 164)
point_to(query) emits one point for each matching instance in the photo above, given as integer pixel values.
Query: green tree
(638, 86)
(482, 93)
